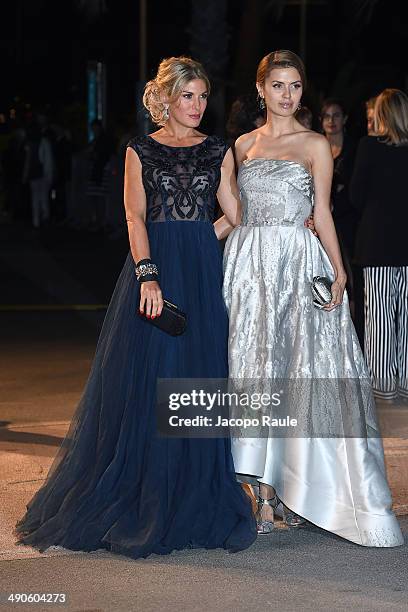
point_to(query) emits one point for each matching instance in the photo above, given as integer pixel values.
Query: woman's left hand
(337, 291)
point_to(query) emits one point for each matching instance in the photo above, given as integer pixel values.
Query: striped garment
(386, 329)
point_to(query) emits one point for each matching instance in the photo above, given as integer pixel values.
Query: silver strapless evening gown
(336, 482)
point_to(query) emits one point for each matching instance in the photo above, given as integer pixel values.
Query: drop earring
(166, 112)
(299, 106)
(261, 102)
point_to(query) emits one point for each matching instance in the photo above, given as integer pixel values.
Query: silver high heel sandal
(264, 527)
(291, 519)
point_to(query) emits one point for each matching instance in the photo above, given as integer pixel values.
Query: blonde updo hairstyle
(280, 59)
(391, 116)
(172, 76)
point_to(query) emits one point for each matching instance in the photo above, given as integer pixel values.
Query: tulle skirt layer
(115, 483)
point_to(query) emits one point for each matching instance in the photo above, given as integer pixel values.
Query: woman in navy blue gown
(115, 483)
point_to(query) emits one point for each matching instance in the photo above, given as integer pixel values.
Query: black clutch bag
(172, 320)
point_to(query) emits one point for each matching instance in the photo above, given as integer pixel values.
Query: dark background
(352, 48)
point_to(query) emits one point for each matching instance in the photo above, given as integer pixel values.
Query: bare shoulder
(245, 141)
(321, 158)
(243, 144)
(132, 158)
(317, 143)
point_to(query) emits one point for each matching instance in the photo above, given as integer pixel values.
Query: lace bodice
(180, 182)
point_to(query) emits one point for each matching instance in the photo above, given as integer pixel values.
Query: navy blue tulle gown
(115, 483)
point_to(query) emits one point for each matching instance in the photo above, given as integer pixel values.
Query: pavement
(45, 358)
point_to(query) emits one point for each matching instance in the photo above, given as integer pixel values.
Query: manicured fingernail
(153, 316)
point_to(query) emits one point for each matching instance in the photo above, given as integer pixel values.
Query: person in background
(370, 115)
(333, 118)
(61, 143)
(99, 153)
(39, 173)
(245, 115)
(378, 191)
(305, 117)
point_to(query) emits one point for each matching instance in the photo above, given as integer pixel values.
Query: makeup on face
(283, 89)
(191, 103)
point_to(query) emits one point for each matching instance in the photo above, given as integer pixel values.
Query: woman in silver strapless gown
(336, 478)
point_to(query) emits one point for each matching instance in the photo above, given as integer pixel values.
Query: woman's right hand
(151, 299)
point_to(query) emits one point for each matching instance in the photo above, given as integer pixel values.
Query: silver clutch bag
(321, 291)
